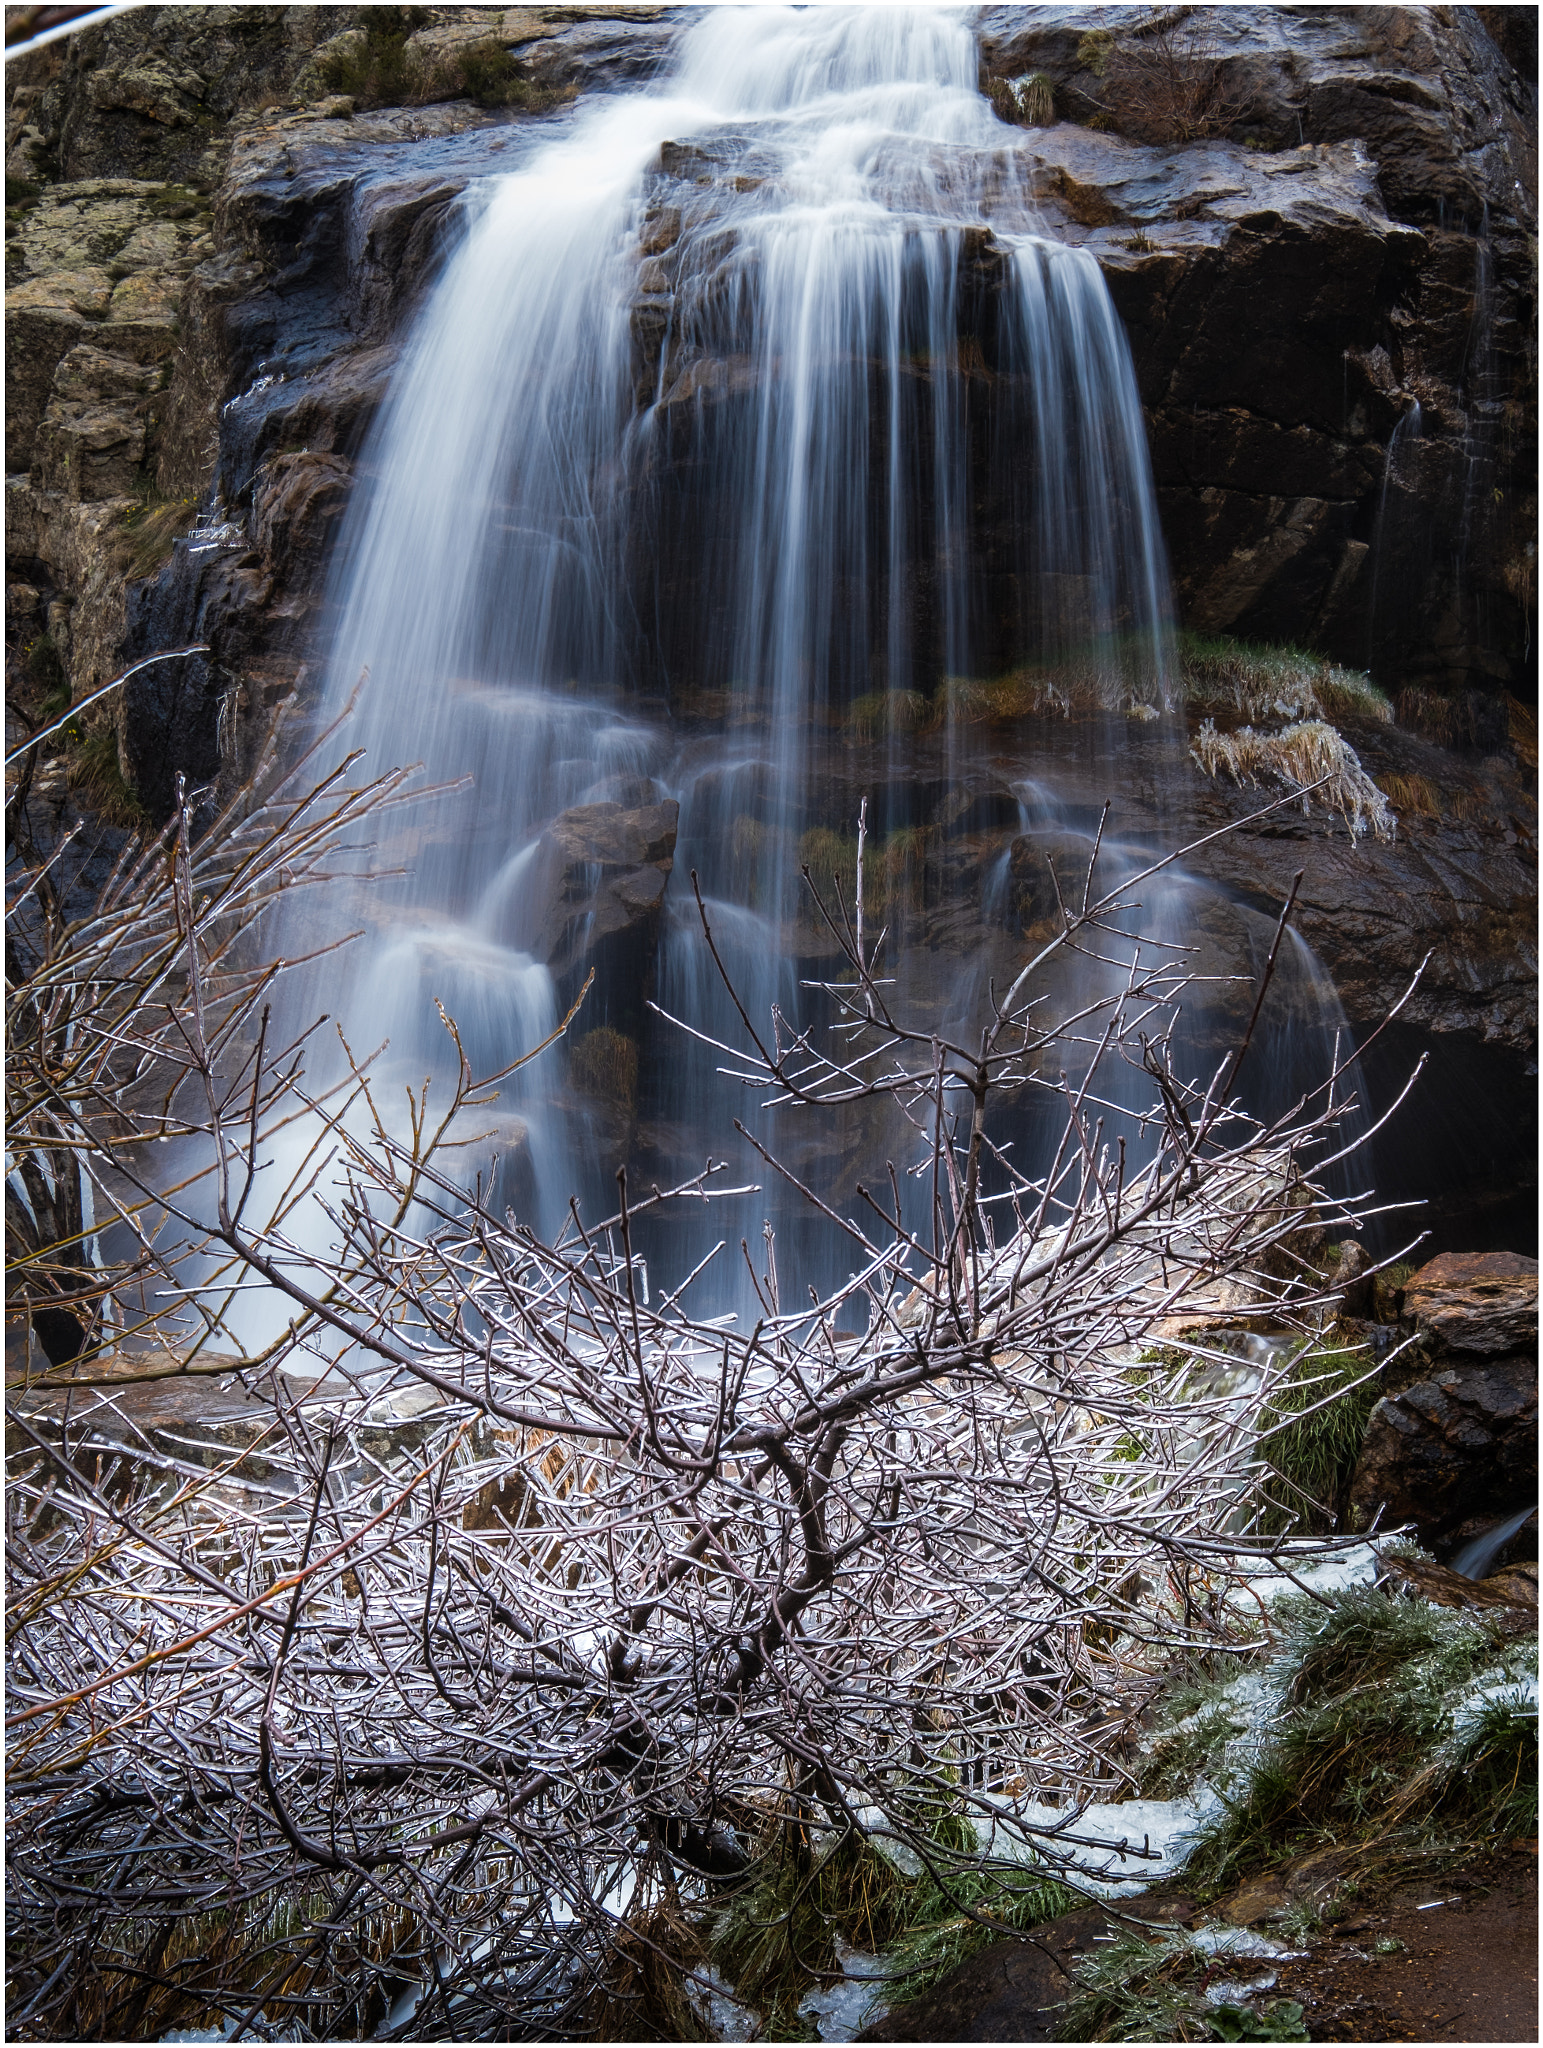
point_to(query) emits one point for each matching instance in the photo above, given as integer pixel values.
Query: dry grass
(148, 532)
(644, 1995)
(604, 1066)
(1411, 796)
(1427, 713)
(1307, 753)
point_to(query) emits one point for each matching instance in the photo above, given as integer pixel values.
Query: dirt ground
(1467, 1970)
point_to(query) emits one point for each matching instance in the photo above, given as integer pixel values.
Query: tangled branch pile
(411, 1731)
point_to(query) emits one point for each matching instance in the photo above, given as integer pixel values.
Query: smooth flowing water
(753, 411)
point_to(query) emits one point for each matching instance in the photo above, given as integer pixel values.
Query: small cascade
(1397, 509)
(1479, 1553)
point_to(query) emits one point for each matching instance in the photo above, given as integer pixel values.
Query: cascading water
(726, 399)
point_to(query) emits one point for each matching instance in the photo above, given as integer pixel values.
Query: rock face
(1476, 1302)
(1330, 306)
(1459, 1446)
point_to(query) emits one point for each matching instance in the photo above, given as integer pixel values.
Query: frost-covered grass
(1377, 1715)
(1310, 756)
(1147, 1987)
(1252, 682)
(1231, 680)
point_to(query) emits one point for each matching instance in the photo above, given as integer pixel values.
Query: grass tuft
(148, 533)
(604, 1066)
(377, 69)
(643, 1995)
(1306, 753)
(93, 773)
(883, 712)
(1393, 1714)
(1314, 1458)
(1221, 674)
(780, 1932)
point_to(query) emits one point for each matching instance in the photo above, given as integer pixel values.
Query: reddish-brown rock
(1476, 1301)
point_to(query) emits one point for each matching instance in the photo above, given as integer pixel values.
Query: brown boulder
(600, 873)
(1476, 1301)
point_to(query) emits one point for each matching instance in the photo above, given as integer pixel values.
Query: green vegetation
(1143, 1987)
(93, 773)
(780, 1931)
(376, 69)
(1394, 1716)
(1201, 1720)
(883, 712)
(894, 868)
(45, 669)
(1314, 1457)
(1029, 104)
(1220, 674)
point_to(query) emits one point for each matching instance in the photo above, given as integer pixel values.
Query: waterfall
(724, 403)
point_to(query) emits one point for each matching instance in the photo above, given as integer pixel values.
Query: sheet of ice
(904, 1858)
(1330, 1573)
(1244, 1943)
(1519, 1695)
(841, 2009)
(729, 2018)
(1113, 1849)
(1233, 1990)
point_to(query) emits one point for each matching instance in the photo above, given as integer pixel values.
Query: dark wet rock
(1517, 1584)
(1515, 1589)
(1290, 286)
(601, 872)
(169, 728)
(1351, 236)
(1456, 1451)
(1457, 1445)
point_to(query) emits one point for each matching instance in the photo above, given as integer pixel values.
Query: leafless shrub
(1165, 82)
(432, 1730)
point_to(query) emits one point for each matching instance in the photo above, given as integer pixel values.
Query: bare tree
(402, 1741)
